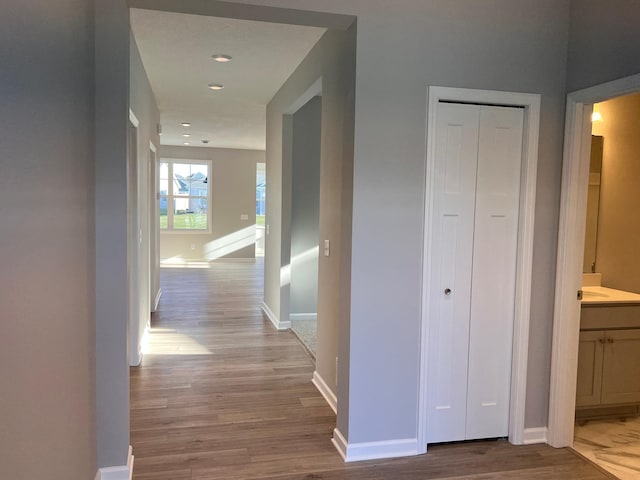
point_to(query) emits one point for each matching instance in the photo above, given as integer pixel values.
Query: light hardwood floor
(222, 395)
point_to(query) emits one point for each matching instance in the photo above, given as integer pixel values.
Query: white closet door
(452, 230)
(472, 281)
(494, 271)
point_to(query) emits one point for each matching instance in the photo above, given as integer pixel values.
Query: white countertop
(602, 295)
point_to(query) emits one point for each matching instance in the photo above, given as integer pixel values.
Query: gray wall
(305, 207)
(111, 259)
(604, 42)
(143, 104)
(331, 59)
(403, 47)
(233, 186)
(47, 394)
(618, 221)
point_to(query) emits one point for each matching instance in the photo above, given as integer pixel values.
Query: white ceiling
(176, 52)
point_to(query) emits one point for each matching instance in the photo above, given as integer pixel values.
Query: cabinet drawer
(604, 317)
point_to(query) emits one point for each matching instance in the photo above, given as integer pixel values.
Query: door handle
(447, 291)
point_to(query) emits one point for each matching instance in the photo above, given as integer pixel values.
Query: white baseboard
(275, 320)
(357, 452)
(534, 435)
(123, 472)
(340, 443)
(233, 259)
(157, 300)
(303, 316)
(136, 361)
(325, 391)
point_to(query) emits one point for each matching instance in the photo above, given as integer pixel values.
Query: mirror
(593, 205)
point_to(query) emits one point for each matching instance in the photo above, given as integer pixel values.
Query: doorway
(261, 206)
(305, 221)
(525, 180)
(133, 244)
(566, 324)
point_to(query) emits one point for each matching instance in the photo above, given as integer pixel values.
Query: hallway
(220, 391)
(222, 395)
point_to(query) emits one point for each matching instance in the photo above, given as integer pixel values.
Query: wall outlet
(244, 216)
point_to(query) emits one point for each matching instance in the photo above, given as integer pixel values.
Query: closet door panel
(452, 236)
(494, 271)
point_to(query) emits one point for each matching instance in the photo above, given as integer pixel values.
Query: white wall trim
(122, 472)
(531, 104)
(573, 204)
(133, 119)
(534, 435)
(357, 452)
(272, 317)
(325, 391)
(303, 316)
(156, 302)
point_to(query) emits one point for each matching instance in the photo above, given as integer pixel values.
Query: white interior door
(454, 200)
(475, 224)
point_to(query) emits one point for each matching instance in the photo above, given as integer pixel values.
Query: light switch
(267, 229)
(326, 248)
(244, 216)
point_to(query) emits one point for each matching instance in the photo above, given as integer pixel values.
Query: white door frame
(531, 104)
(573, 207)
(133, 244)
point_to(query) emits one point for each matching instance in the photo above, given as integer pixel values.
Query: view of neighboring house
(190, 195)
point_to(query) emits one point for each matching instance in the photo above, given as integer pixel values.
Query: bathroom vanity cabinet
(609, 356)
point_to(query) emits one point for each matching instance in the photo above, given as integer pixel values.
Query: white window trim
(185, 231)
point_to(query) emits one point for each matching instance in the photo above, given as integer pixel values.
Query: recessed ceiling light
(216, 86)
(186, 135)
(221, 57)
(186, 124)
(186, 143)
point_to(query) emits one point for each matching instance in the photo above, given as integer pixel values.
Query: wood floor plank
(222, 395)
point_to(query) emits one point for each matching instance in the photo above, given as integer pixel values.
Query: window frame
(171, 197)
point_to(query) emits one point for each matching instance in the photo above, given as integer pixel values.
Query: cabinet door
(590, 359)
(621, 367)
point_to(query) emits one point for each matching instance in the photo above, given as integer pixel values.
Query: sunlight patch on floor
(165, 341)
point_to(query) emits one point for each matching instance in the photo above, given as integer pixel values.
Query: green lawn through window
(186, 221)
(194, 221)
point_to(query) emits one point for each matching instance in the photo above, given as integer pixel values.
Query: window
(184, 195)
(261, 191)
